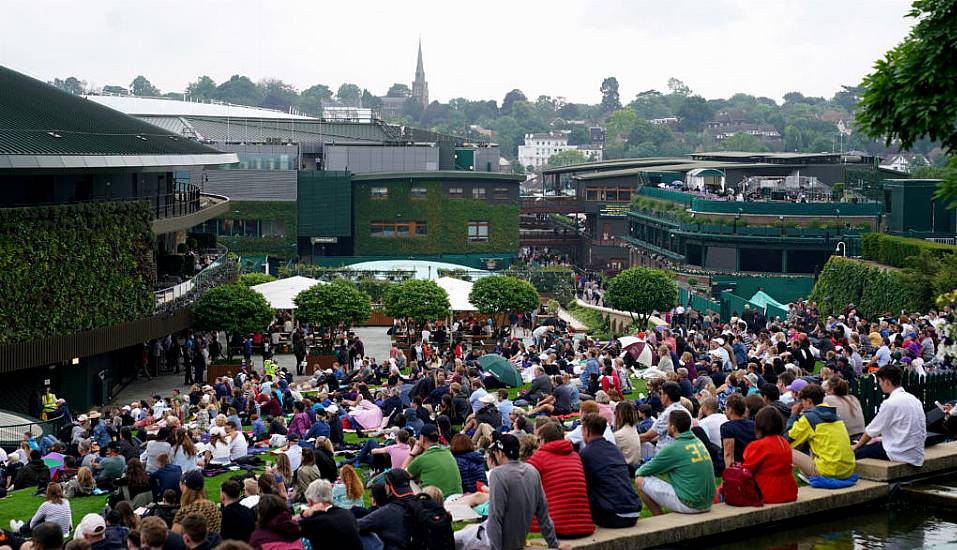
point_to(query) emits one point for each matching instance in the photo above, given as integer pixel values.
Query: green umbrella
(501, 369)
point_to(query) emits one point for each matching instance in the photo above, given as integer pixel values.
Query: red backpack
(739, 487)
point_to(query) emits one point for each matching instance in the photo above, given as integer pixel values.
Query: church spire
(420, 88)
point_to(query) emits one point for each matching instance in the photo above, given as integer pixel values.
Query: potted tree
(330, 306)
(642, 291)
(234, 309)
(500, 294)
(417, 302)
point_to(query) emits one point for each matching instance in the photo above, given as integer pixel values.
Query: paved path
(377, 344)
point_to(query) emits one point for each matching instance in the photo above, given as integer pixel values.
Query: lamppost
(841, 248)
(737, 216)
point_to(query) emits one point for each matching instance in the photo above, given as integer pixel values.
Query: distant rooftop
(161, 106)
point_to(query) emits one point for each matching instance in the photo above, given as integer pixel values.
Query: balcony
(185, 208)
(220, 268)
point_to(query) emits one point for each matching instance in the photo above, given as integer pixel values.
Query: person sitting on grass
(54, 509)
(816, 424)
(768, 458)
(431, 464)
(691, 487)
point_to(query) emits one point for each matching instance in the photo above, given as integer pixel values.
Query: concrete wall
(364, 159)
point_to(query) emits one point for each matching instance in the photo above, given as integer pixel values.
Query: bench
(937, 458)
(674, 528)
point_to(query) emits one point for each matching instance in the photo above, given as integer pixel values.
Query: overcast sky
(478, 50)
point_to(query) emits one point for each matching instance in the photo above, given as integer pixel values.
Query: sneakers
(15, 525)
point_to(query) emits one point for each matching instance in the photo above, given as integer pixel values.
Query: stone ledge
(937, 458)
(675, 528)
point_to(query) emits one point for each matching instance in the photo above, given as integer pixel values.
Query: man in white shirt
(671, 399)
(711, 420)
(238, 446)
(294, 451)
(900, 423)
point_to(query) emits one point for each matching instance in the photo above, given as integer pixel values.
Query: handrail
(185, 200)
(195, 286)
(12, 434)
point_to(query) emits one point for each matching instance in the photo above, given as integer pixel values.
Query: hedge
(447, 222)
(67, 269)
(874, 290)
(894, 251)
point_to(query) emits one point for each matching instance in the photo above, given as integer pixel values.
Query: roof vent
(141, 138)
(54, 134)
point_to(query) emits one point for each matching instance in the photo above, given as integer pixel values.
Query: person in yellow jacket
(269, 368)
(48, 401)
(816, 424)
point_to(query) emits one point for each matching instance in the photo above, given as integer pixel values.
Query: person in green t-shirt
(688, 465)
(111, 467)
(431, 464)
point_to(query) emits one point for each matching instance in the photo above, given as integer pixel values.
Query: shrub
(874, 290)
(253, 279)
(894, 251)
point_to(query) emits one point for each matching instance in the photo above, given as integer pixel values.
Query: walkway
(377, 344)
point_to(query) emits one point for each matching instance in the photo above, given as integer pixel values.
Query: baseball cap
(508, 444)
(430, 432)
(797, 385)
(193, 479)
(93, 524)
(399, 481)
(488, 398)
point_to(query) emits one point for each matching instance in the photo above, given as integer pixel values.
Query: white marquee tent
(458, 291)
(281, 292)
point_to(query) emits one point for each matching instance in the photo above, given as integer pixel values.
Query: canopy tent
(763, 300)
(458, 291)
(281, 292)
(423, 269)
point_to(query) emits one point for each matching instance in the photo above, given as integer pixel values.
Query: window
(478, 231)
(398, 229)
(455, 193)
(273, 228)
(379, 193)
(501, 193)
(478, 193)
(614, 194)
(417, 193)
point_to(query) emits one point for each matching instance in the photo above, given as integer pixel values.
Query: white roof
(423, 269)
(281, 292)
(458, 291)
(132, 105)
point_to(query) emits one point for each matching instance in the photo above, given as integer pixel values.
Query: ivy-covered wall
(447, 221)
(282, 211)
(67, 269)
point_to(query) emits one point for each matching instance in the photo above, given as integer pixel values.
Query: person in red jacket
(769, 458)
(563, 479)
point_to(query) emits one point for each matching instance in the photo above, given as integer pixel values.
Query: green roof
(38, 120)
(440, 174)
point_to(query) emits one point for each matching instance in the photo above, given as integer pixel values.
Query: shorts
(663, 494)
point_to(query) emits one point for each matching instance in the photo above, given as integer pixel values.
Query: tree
(578, 136)
(203, 87)
(693, 113)
(349, 94)
(142, 86)
(116, 90)
(910, 94)
(416, 299)
(511, 98)
(71, 85)
(566, 157)
(502, 294)
(277, 94)
(399, 90)
(329, 305)
(256, 278)
(642, 291)
(621, 122)
(310, 100)
(610, 99)
(743, 142)
(232, 308)
(239, 90)
(412, 108)
(677, 87)
(370, 101)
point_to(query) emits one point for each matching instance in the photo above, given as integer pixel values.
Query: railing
(943, 240)
(180, 202)
(12, 434)
(763, 208)
(221, 270)
(935, 386)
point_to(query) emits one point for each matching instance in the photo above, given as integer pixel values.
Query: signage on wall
(324, 240)
(614, 210)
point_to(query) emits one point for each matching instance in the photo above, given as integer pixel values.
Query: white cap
(488, 398)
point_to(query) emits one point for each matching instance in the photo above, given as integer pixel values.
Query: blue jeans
(371, 541)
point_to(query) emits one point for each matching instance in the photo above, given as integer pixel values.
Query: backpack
(429, 524)
(739, 487)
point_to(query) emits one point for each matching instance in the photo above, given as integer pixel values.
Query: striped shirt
(57, 513)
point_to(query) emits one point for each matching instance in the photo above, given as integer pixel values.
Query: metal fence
(14, 426)
(935, 386)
